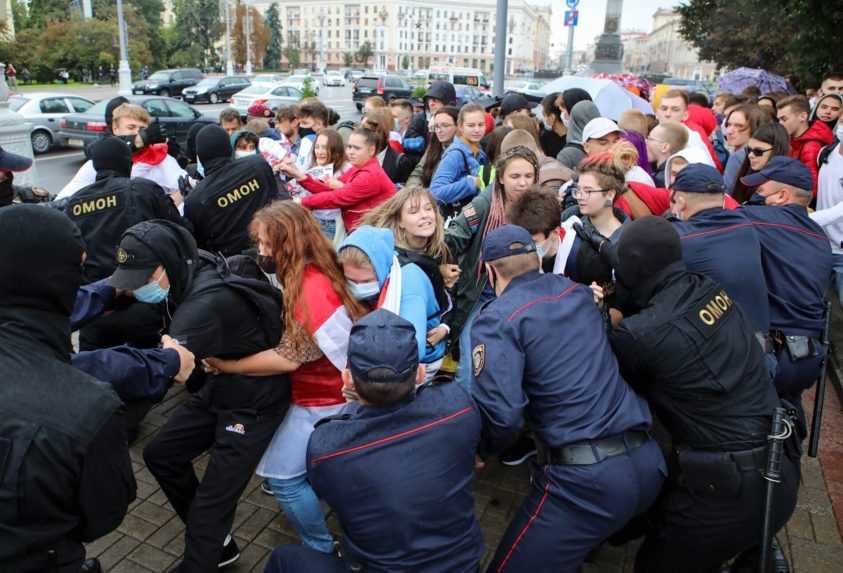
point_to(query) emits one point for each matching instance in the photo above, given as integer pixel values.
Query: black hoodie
(67, 477)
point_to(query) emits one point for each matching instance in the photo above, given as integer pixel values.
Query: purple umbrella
(739, 79)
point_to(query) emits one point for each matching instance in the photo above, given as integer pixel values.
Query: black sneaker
(91, 566)
(519, 452)
(230, 553)
(265, 488)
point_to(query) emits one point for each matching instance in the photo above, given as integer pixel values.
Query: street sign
(572, 17)
(572, 4)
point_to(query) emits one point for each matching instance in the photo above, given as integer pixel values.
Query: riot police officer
(797, 264)
(65, 473)
(411, 447)
(691, 351)
(221, 206)
(220, 307)
(540, 354)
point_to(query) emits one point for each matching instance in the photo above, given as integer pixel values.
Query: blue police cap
(383, 348)
(699, 178)
(507, 241)
(781, 169)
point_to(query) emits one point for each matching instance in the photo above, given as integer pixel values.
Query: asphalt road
(56, 168)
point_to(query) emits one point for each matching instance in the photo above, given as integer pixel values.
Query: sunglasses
(757, 151)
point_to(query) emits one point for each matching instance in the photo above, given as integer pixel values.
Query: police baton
(780, 431)
(819, 398)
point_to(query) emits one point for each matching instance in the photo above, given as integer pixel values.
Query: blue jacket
(418, 300)
(400, 480)
(453, 180)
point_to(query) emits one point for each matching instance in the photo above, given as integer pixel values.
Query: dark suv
(168, 82)
(387, 86)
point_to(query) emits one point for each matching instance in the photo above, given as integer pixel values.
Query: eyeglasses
(444, 126)
(757, 151)
(583, 193)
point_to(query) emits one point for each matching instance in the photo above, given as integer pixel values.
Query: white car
(334, 79)
(298, 80)
(526, 87)
(271, 95)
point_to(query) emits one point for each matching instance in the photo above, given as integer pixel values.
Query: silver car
(44, 110)
(271, 95)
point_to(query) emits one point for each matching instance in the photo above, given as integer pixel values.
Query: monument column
(608, 55)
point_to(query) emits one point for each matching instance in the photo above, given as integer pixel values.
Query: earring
(608, 203)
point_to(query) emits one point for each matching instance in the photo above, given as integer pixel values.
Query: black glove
(28, 194)
(152, 134)
(600, 243)
(184, 186)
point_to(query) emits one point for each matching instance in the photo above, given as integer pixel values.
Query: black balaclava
(7, 191)
(175, 247)
(648, 251)
(213, 147)
(40, 272)
(109, 110)
(112, 154)
(573, 96)
(191, 141)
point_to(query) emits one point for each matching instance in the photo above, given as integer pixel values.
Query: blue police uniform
(540, 354)
(398, 476)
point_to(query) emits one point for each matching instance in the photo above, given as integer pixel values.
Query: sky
(637, 15)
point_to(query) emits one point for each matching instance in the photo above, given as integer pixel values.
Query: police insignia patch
(122, 256)
(478, 358)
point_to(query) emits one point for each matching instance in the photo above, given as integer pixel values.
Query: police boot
(747, 562)
(91, 566)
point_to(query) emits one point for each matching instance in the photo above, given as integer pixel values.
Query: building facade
(412, 34)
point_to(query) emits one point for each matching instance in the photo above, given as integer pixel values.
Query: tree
(348, 58)
(798, 38)
(364, 52)
(43, 11)
(293, 56)
(197, 29)
(20, 15)
(259, 36)
(274, 50)
(405, 62)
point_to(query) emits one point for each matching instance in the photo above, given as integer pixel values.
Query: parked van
(459, 76)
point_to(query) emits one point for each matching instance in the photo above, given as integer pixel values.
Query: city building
(412, 34)
(664, 51)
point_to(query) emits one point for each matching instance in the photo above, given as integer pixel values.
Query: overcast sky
(637, 15)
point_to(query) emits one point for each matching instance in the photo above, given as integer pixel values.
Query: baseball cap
(782, 169)
(135, 262)
(258, 110)
(507, 241)
(13, 162)
(382, 348)
(699, 178)
(513, 102)
(599, 127)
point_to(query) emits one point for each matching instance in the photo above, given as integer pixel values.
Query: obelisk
(608, 55)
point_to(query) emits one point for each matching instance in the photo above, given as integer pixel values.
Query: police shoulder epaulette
(471, 216)
(327, 419)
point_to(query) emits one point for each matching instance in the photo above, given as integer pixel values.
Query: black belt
(753, 459)
(589, 452)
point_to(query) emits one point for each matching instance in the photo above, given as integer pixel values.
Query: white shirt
(695, 141)
(829, 213)
(638, 175)
(166, 174)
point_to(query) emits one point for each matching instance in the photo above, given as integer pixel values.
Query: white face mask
(566, 119)
(242, 153)
(547, 125)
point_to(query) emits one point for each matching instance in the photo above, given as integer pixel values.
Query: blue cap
(507, 241)
(781, 169)
(699, 178)
(383, 348)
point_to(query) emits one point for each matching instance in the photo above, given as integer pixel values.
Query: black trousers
(236, 438)
(696, 533)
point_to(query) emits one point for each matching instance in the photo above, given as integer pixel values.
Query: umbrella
(737, 80)
(628, 81)
(610, 98)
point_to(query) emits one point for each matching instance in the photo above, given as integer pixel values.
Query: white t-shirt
(638, 175)
(695, 141)
(166, 174)
(829, 213)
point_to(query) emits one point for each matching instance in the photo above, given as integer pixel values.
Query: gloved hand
(600, 243)
(152, 134)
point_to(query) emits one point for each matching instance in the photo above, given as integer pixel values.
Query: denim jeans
(838, 275)
(301, 506)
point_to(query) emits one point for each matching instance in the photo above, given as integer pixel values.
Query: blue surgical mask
(200, 169)
(364, 291)
(151, 293)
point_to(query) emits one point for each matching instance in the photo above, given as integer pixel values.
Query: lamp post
(247, 32)
(229, 65)
(500, 46)
(124, 72)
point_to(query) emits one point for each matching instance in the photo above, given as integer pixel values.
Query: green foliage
(274, 50)
(293, 56)
(419, 92)
(799, 39)
(20, 14)
(197, 25)
(364, 52)
(43, 11)
(308, 88)
(405, 62)
(348, 58)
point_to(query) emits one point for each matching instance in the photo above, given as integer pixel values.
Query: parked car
(268, 78)
(334, 79)
(387, 86)
(355, 75)
(44, 110)
(272, 95)
(525, 87)
(215, 89)
(299, 80)
(470, 94)
(168, 82)
(176, 118)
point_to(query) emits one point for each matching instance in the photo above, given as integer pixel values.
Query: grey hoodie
(581, 114)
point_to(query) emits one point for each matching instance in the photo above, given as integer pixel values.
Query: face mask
(200, 169)
(239, 153)
(757, 199)
(305, 131)
(547, 125)
(364, 291)
(151, 293)
(566, 119)
(128, 140)
(396, 126)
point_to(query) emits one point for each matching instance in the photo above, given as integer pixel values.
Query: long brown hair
(336, 149)
(388, 216)
(435, 148)
(296, 240)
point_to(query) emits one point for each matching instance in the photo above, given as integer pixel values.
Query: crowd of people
(365, 315)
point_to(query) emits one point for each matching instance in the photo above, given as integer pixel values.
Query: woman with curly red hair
(318, 313)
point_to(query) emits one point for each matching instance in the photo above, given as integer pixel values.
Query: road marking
(61, 156)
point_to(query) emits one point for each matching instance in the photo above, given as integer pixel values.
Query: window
(54, 105)
(180, 110)
(79, 105)
(156, 108)
(282, 92)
